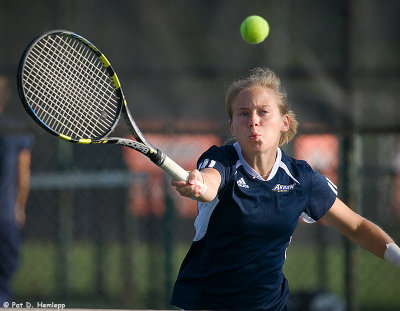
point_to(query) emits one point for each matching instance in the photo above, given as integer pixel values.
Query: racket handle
(177, 172)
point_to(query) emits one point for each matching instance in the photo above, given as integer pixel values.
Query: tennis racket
(70, 89)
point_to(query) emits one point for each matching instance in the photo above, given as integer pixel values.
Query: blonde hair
(268, 79)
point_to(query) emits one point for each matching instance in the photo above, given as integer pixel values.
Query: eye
(243, 114)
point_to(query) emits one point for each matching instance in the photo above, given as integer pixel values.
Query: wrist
(203, 186)
(392, 254)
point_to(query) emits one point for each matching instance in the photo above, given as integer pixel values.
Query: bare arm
(358, 229)
(209, 176)
(24, 173)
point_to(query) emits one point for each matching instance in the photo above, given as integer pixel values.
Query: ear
(230, 126)
(285, 123)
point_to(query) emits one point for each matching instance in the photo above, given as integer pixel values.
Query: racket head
(69, 87)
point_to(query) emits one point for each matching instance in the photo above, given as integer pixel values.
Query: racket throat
(157, 157)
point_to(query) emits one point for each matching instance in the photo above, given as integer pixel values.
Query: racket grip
(177, 172)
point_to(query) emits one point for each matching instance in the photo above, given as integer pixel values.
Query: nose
(254, 120)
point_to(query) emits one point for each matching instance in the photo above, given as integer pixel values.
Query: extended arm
(209, 176)
(363, 232)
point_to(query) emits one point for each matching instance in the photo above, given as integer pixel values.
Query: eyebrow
(247, 108)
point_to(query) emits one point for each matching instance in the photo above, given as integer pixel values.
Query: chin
(255, 146)
(262, 147)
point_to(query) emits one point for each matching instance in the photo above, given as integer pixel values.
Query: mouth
(254, 136)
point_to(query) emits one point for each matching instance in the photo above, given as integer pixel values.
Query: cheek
(233, 127)
(235, 132)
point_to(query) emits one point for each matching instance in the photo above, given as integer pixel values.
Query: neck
(262, 163)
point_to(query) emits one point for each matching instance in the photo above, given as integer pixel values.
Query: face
(256, 120)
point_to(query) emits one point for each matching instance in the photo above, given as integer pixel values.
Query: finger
(195, 177)
(178, 183)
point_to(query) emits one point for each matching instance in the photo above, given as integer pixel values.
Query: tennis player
(255, 196)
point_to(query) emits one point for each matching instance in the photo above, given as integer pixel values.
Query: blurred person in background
(15, 159)
(396, 184)
(255, 196)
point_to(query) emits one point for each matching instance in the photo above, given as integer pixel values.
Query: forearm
(370, 237)
(212, 184)
(23, 193)
(24, 161)
(24, 175)
(192, 189)
(363, 232)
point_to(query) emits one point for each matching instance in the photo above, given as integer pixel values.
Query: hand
(191, 189)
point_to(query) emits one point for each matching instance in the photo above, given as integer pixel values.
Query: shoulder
(308, 177)
(16, 142)
(222, 154)
(298, 168)
(224, 149)
(221, 158)
(302, 172)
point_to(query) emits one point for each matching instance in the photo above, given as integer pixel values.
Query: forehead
(256, 95)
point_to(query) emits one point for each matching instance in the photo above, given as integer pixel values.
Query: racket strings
(50, 113)
(92, 74)
(69, 88)
(83, 93)
(58, 111)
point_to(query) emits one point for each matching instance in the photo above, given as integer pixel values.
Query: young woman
(255, 196)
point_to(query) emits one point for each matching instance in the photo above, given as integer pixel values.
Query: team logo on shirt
(283, 188)
(242, 183)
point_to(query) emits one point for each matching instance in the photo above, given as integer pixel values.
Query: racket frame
(142, 145)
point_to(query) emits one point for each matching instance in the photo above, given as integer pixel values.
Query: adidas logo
(242, 183)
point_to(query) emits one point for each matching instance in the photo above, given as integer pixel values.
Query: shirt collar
(251, 171)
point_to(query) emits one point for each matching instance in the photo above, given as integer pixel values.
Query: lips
(254, 136)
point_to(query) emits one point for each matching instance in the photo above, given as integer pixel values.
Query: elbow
(355, 230)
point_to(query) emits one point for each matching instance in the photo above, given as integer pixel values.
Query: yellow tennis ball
(254, 29)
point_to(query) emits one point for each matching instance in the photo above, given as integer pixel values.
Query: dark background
(339, 61)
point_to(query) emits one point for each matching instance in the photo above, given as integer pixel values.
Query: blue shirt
(10, 148)
(236, 258)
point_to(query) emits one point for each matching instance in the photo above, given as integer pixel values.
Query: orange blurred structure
(321, 152)
(147, 198)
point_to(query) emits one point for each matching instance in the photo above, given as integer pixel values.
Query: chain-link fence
(105, 229)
